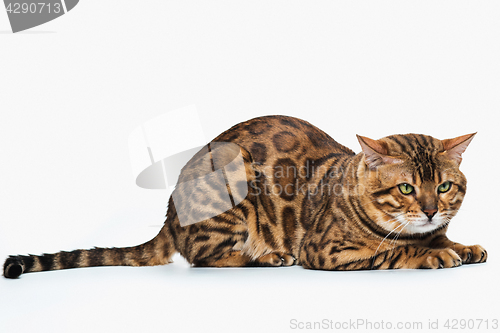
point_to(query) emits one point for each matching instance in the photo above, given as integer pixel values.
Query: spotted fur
(303, 199)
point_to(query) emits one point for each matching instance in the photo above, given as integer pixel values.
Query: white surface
(72, 90)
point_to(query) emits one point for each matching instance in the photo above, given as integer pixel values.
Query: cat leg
(240, 259)
(228, 259)
(409, 257)
(470, 254)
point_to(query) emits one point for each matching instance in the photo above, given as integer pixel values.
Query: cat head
(412, 183)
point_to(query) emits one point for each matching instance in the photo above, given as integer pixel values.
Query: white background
(72, 90)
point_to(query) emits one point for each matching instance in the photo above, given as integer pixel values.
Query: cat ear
(453, 148)
(376, 152)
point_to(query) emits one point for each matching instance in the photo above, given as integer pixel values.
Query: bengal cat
(299, 197)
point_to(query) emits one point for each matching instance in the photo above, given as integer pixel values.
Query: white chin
(423, 227)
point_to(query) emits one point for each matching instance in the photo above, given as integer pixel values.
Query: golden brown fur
(299, 197)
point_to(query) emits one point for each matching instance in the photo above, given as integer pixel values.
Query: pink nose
(430, 212)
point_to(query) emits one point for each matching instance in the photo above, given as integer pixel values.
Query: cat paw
(276, 259)
(472, 254)
(288, 259)
(445, 258)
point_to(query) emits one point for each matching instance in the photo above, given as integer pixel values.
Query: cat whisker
(397, 236)
(399, 233)
(387, 222)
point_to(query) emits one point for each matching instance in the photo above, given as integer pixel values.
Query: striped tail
(154, 252)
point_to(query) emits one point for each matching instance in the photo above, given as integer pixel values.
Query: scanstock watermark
(217, 174)
(469, 324)
(26, 14)
(355, 324)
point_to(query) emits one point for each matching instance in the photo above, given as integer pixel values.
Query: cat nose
(430, 212)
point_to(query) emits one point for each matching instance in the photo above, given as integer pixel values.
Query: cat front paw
(472, 254)
(445, 258)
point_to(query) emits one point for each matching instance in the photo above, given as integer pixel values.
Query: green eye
(406, 189)
(444, 187)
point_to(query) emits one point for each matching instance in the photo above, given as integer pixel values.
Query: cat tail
(157, 251)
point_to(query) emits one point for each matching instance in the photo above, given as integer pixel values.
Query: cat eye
(444, 187)
(406, 189)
